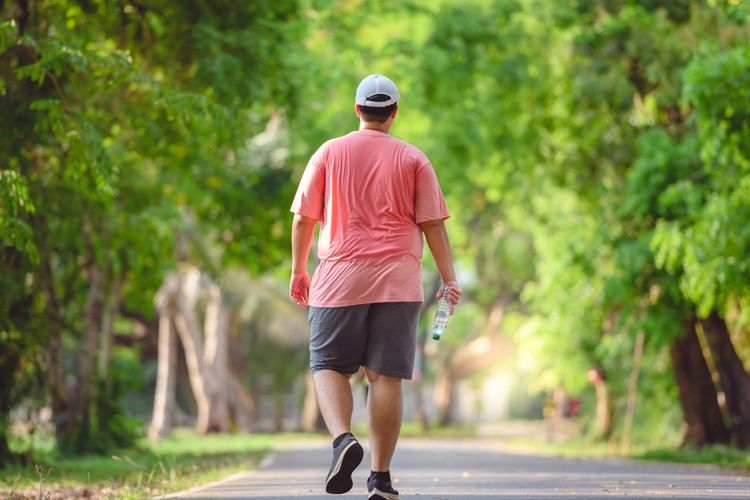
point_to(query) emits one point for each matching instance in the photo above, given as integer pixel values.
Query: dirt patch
(54, 493)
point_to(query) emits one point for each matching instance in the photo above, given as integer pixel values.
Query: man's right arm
(440, 247)
(303, 229)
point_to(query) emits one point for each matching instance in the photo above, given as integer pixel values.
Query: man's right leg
(338, 337)
(334, 396)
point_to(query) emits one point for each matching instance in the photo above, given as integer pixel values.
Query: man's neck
(377, 126)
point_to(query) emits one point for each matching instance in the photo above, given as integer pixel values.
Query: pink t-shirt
(369, 191)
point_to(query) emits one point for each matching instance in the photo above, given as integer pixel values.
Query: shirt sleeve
(429, 203)
(310, 198)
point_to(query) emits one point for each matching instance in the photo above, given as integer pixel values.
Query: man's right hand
(299, 288)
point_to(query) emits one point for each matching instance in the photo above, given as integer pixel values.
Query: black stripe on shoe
(346, 457)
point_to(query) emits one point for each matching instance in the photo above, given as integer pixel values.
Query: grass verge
(722, 456)
(181, 461)
(580, 447)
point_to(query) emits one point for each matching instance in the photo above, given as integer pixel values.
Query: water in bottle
(441, 315)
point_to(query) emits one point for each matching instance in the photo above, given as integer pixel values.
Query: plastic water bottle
(440, 323)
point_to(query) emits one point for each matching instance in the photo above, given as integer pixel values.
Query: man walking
(374, 196)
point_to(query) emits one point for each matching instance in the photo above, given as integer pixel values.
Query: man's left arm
(303, 230)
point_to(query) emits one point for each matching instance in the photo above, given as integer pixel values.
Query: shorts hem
(390, 373)
(315, 369)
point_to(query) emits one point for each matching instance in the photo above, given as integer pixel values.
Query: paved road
(472, 470)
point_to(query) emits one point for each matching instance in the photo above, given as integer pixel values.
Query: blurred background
(595, 155)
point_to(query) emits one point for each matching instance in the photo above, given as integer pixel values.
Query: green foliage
(111, 427)
(14, 201)
(591, 141)
(130, 146)
(711, 240)
(595, 156)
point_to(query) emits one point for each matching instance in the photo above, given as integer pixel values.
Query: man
(374, 197)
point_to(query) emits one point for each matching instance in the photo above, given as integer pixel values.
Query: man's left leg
(334, 396)
(392, 330)
(384, 407)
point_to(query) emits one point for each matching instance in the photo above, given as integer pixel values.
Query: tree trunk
(64, 418)
(206, 363)
(603, 425)
(57, 388)
(278, 411)
(164, 399)
(420, 405)
(703, 419)
(734, 380)
(310, 418)
(557, 417)
(216, 342)
(86, 383)
(420, 415)
(6, 456)
(635, 371)
(445, 399)
(110, 313)
(9, 361)
(241, 404)
(188, 330)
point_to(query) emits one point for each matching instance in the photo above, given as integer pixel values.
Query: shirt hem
(359, 302)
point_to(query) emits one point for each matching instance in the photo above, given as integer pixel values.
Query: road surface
(472, 470)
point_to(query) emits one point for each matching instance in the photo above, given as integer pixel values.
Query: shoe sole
(340, 478)
(376, 494)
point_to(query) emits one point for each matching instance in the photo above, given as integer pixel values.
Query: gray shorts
(380, 336)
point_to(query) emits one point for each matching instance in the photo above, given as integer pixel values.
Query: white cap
(373, 85)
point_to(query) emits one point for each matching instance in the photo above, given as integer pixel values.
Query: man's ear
(393, 116)
(357, 110)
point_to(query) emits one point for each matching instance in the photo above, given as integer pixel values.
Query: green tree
(129, 124)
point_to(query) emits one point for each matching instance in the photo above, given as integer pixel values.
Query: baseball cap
(373, 85)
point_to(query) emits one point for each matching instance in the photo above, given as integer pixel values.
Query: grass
(722, 456)
(178, 462)
(580, 447)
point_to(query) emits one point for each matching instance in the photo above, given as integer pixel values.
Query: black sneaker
(347, 454)
(379, 488)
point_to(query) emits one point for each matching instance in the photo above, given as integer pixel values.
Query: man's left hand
(454, 293)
